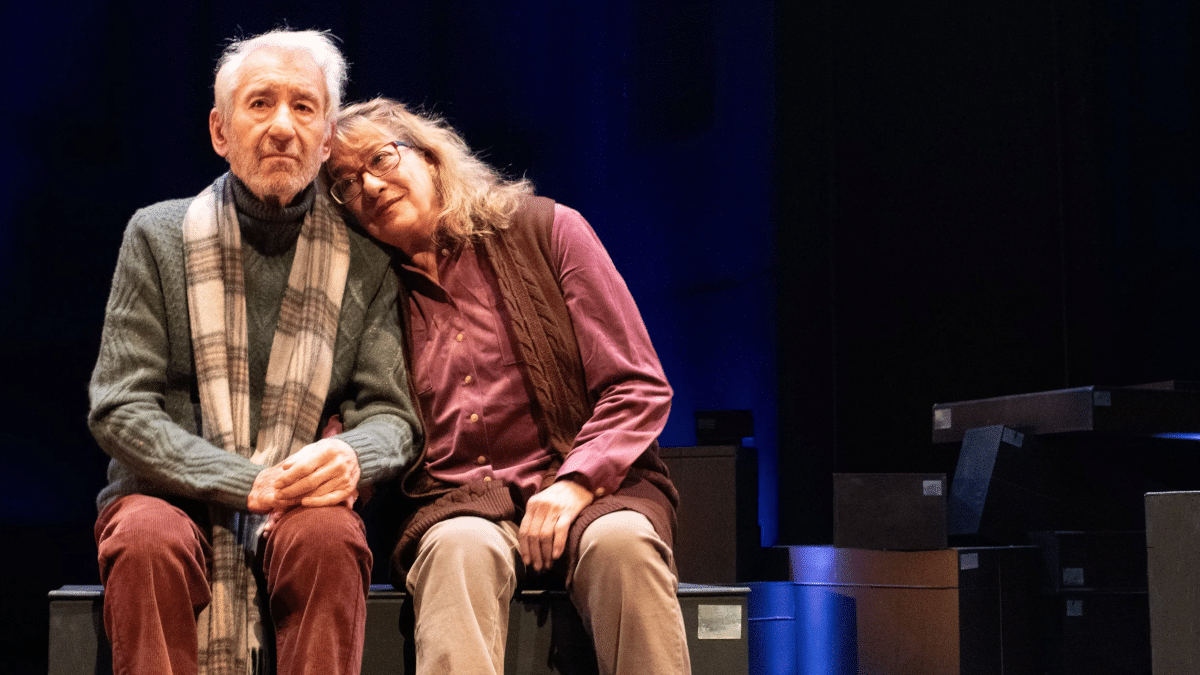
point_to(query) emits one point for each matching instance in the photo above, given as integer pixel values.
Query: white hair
(317, 44)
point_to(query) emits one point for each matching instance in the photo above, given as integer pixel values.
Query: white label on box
(719, 622)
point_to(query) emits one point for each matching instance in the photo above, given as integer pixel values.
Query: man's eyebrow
(259, 89)
(304, 91)
(270, 87)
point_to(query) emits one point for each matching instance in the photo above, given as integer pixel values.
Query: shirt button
(467, 380)
(481, 460)
(487, 479)
(459, 337)
(600, 492)
(445, 251)
(474, 417)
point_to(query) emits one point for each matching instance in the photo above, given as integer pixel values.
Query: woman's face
(397, 208)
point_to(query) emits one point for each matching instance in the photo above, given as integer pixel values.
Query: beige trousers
(466, 572)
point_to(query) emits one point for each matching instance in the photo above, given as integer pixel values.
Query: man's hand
(263, 497)
(319, 474)
(548, 518)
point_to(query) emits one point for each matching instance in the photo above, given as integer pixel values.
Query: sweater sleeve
(620, 365)
(128, 389)
(381, 423)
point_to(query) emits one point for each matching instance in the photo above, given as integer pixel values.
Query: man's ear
(216, 129)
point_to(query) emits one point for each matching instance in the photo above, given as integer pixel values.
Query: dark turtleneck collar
(271, 230)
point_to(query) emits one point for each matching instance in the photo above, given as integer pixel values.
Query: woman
(541, 397)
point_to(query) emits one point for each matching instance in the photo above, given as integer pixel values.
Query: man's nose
(283, 124)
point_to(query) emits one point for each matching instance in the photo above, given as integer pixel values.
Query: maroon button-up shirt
(473, 391)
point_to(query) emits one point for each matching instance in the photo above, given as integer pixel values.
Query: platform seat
(545, 634)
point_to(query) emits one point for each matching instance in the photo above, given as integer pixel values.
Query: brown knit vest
(540, 328)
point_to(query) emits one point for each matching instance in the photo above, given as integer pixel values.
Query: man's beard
(275, 188)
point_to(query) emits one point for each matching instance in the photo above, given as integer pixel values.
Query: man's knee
(149, 533)
(326, 534)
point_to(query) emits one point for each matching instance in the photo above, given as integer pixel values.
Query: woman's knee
(467, 540)
(465, 557)
(623, 537)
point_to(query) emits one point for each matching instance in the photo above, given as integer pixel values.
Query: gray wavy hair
(474, 198)
(319, 44)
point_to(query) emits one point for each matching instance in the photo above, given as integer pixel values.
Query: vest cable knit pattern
(540, 324)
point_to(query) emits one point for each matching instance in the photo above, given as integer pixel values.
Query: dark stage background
(834, 214)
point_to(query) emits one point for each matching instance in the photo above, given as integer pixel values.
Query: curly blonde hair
(474, 198)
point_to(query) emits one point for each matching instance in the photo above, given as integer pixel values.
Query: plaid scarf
(297, 382)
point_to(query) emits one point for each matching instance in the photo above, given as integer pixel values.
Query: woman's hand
(548, 518)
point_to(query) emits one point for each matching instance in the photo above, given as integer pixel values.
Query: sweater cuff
(235, 486)
(380, 455)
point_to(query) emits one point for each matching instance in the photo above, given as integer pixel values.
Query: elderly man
(239, 321)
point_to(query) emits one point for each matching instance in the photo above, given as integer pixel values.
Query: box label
(719, 622)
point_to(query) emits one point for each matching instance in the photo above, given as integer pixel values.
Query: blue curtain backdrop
(652, 119)
(833, 213)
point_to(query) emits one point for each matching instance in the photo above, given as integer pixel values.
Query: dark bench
(545, 634)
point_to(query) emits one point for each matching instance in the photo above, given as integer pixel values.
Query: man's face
(275, 134)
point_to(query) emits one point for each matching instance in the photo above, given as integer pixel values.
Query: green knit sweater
(145, 409)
